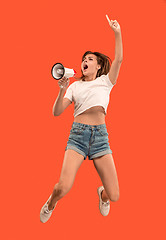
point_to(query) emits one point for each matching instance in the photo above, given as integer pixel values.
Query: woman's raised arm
(115, 67)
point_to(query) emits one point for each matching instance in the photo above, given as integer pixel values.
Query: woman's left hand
(114, 25)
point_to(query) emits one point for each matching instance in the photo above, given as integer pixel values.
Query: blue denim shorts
(89, 140)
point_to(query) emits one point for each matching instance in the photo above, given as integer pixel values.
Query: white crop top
(87, 94)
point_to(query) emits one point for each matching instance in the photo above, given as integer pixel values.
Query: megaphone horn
(58, 71)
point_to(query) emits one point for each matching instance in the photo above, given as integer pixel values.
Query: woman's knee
(114, 197)
(62, 188)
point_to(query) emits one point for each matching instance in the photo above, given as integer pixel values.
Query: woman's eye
(89, 59)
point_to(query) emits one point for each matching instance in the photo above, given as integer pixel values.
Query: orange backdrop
(34, 36)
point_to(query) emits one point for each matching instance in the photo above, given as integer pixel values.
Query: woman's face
(89, 65)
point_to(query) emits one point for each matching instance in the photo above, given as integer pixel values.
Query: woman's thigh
(71, 163)
(106, 169)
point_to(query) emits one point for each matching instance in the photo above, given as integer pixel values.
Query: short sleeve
(107, 81)
(69, 93)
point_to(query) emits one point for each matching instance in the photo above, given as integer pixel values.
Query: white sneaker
(103, 206)
(45, 213)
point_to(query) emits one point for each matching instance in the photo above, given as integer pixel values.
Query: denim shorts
(89, 140)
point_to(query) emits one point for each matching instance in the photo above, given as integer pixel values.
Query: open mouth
(85, 67)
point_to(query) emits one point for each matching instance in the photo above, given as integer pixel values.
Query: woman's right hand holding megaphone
(63, 83)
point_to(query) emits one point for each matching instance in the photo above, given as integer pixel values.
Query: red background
(34, 36)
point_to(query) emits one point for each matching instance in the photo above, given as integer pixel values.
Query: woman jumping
(88, 134)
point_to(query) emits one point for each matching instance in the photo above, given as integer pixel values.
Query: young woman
(88, 135)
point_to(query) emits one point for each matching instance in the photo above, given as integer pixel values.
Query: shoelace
(105, 203)
(46, 210)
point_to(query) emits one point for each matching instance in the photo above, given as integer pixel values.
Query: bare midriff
(92, 116)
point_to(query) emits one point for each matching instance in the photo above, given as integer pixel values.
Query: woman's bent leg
(71, 163)
(106, 169)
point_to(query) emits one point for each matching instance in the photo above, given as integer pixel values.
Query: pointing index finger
(108, 19)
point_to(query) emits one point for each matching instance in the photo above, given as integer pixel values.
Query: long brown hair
(102, 60)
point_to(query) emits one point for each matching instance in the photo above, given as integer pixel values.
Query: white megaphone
(58, 71)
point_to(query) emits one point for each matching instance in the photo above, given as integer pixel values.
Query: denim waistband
(82, 125)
